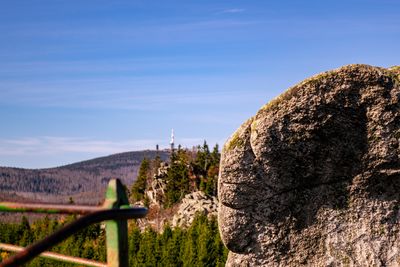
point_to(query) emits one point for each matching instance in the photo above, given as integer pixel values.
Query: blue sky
(81, 79)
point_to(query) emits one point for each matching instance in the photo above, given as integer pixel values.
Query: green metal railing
(115, 211)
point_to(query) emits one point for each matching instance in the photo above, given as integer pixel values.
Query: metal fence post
(115, 211)
(116, 230)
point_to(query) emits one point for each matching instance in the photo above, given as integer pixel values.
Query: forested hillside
(198, 245)
(180, 173)
(83, 181)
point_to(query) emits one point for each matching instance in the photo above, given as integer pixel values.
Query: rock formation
(158, 186)
(193, 203)
(313, 179)
(182, 213)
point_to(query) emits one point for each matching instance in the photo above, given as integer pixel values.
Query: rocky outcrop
(313, 179)
(181, 214)
(158, 185)
(193, 203)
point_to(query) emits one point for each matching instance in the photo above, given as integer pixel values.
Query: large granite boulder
(313, 179)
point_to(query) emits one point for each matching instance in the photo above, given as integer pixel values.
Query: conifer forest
(196, 245)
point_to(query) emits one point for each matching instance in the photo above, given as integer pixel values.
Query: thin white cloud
(134, 67)
(50, 145)
(56, 145)
(155, 31)
(233, 10)
(130, 94)
(51, 151)
(22, 142)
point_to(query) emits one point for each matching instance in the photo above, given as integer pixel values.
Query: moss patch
(253, 127)
(394, 73)
(315, 80)
(235, 142)
(276, 101)
(395, 68)
(292, 91)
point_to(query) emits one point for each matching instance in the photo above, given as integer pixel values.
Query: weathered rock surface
(181, 214)
(196, 202)
(313, 179)
(156, 191)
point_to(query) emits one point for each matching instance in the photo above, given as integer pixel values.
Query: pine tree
(173, 248)
(215, 156)
(147, 254)
(25, 232)
(190, 249)
(139, 187)
(177, 179)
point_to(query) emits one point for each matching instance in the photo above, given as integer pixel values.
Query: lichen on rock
(313, 178)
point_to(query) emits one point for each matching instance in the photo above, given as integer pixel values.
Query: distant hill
(83, 181)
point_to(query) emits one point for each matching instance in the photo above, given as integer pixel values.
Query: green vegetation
(189, 170)
(235, 142)
(83, 179)
(394, 73)
(88, 243)
(199, 245)
(177, 178)
(139, 186)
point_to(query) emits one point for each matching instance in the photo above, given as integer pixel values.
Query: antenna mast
(172, 142)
